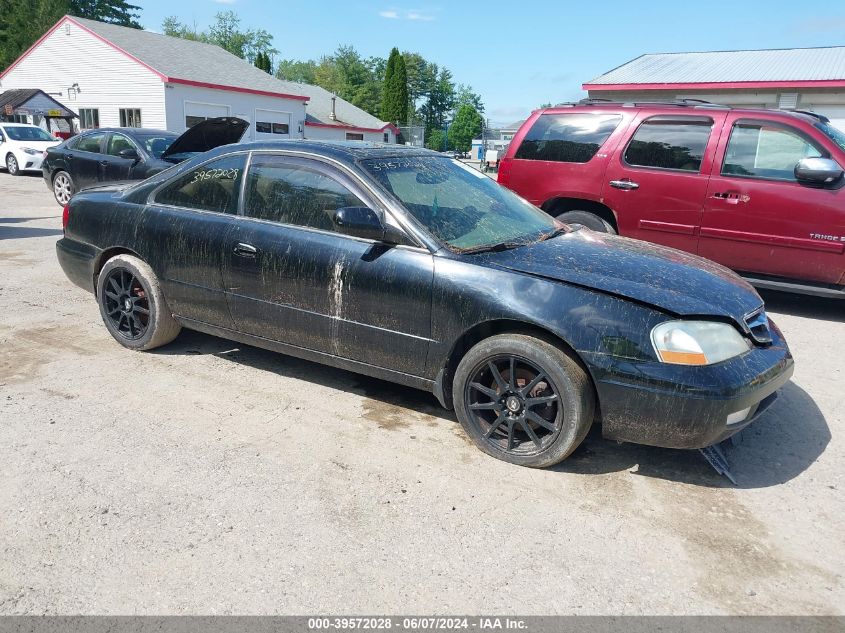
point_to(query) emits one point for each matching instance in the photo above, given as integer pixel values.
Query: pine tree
(262, 61)
(394, 101)
(111, 11)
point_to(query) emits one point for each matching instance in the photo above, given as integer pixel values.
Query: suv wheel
(523, 400)
(12, 165)
(588, 220)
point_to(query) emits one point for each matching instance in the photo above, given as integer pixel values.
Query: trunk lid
(206, 136)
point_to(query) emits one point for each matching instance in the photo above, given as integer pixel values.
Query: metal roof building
(118, 76)
(806, 78)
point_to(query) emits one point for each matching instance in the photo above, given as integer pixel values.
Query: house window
(354, 136)
(387, 137)
(89, 118)
(265, 127)
(130, 117)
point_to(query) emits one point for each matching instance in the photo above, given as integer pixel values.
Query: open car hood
(207, 135)
(671, 280)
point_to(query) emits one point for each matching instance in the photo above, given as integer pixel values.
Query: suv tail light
(65, 216)
(505, 171)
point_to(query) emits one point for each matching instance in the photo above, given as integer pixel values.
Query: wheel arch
(556, 206)
(486, 329)
(105, 256)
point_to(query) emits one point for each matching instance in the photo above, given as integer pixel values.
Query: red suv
(760, 191)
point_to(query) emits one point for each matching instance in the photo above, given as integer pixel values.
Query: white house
(803, 78)
(115, 76)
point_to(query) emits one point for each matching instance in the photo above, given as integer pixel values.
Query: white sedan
(22, 146)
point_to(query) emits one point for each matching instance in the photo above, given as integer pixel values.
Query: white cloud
(414, 15)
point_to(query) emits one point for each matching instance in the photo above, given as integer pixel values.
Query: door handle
(245, 250)
(731, 197)
(105, 163)
(624, 184)
(68, 156)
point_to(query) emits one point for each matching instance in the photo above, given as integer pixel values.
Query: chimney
(333, 116)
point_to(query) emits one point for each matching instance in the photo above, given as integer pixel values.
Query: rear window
(567, 138)
(666, 143)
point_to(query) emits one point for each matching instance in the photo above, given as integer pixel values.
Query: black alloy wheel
(126, 304)
(514, 405)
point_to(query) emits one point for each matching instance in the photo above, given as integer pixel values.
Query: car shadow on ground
(782, 444)
(21, 232)
(822, 308)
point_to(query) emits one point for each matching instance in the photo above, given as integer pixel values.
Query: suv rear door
(758, 218)
(656, 183)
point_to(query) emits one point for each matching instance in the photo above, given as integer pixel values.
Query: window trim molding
(668, 119)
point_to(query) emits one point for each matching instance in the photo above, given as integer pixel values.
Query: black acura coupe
(104, 155)
(409, 266)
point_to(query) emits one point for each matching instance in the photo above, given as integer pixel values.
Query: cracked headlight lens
(697, 342)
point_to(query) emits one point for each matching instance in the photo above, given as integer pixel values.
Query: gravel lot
(209, 477)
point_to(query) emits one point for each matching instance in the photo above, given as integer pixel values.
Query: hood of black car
(671, 280)
(207, 135)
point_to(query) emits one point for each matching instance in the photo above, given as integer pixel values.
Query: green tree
(225, 32)
(435, 139)
(465, 127)
(464, 95)
(111, 11)
(263, 61)
(294, 70)
(394, 99)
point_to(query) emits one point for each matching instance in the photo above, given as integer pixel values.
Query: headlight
(697, 342)
(29, 150)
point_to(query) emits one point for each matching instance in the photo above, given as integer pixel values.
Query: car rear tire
(523, 400)
(63, 187)
(133, 306)
(12, 165)
(588, 220)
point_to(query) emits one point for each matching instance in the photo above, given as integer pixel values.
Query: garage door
(271, 124)
(198, 112)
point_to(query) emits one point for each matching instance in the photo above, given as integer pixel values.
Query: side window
(283, 191)
(757, 151)
(118, 143)
(90, 143)
(665, 143)
(212, 187)
(567, 138)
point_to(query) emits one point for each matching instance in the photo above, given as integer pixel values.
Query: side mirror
(364, 222)
(818, 171)
(129, 153)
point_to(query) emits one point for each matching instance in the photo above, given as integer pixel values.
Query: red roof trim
(160, 75)
(724, 85)
(354, 127)
(252, 91)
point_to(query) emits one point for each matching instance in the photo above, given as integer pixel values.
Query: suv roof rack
(679, 103)
(815, 115)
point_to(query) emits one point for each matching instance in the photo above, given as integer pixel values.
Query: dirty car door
(291, 278)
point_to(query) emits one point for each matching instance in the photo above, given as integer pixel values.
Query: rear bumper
(675, 406)
(77, 262)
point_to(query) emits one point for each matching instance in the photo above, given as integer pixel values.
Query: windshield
(459, 205)
(156, 144)
(28, 134)
(833, 133)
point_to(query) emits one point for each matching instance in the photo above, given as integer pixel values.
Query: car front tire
(588, 220)
(12, 165)
(133, 306)
(63, 187)
(523, 400)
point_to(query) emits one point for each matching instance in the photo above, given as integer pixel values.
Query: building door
(271, 125)
(196, 112)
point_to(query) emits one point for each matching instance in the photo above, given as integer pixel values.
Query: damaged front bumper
(675, 406)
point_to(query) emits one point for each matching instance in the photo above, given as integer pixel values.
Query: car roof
(130, 131)
(341, 150)
(10, 124)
